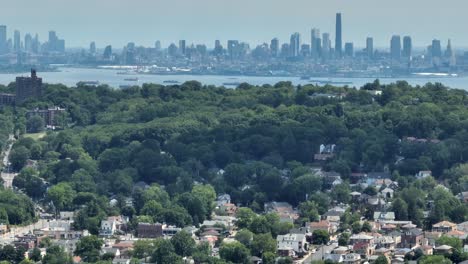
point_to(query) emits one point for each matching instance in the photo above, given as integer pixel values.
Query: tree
(308, 210)
(143, 248)
(234, 252)
(36, 254)
(35, 124)
(56, 255)
(263, 243)
(61, 195)
(18, 157)
(165, 253)
(245, 217)
(454, 242)
(88, 248)
(400, 208)
(434, 260)
(245, 237)
(343, 240)
(381, 260)
(320, 237)
(183, 243)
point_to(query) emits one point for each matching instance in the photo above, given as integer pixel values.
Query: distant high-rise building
(305, 50)
(36, 44)
(274, 47)
(17, 41)
(450, 54)
(3, 39)
(395, 48)
(295, 44)
(285, 50)
(157, 45)
(28, 87)
(407, 47)
(92, 47)
(349, 49)
(436, 49)
(107, 55)
(338, 36)
(449, 51)
(28, 43)
(172, 50)
(326, 45)
(182, 47)
(233, 49)
(218, 49)
(370, 47)
(55, 44)
(315, 44)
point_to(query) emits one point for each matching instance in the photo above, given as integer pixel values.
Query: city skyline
(196, 23)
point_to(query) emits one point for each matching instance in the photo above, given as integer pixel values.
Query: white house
(294, 242)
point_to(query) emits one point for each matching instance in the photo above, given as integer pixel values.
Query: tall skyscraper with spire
(338, 37)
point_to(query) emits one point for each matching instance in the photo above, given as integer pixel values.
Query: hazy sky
(117, 22)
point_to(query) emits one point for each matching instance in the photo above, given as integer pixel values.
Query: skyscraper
(3, 39)
(407, 47)
(315, 42)
(370, 47)
(326, 45)
(295, 44)
(349, 49)
(218, 49)
(157, 45)
(107, 53)
(274, 47)
(92, 47)
(182, 47)
(338, 36)
(436, 49)
(449, 51)
(17, 41)
(395, 48)
(28, 43)
(233, 48)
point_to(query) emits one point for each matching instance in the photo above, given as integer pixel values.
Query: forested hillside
(191, 142)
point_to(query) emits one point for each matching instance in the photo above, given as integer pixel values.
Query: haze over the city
(117, 22)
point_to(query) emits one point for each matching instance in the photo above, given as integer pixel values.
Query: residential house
(121, 261)
(387, 193)
(363, 244)
(294, 242)
(412, 238)
(444, 227)
(223, 199)
(110, 250)
(384, 216)
(444, 249)
(352, 258)
(324, 225)
(423, 174)
(463, 196)
(147, 230)
(284, 210)
(325, 152)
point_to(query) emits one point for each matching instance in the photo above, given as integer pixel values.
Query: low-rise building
(295, 242)
(444, 227)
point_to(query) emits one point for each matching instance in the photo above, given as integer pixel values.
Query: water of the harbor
(71, 76)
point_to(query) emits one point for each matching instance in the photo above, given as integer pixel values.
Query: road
(319, 254)
(6, 175)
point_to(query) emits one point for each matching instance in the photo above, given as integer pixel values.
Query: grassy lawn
(35, 136)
